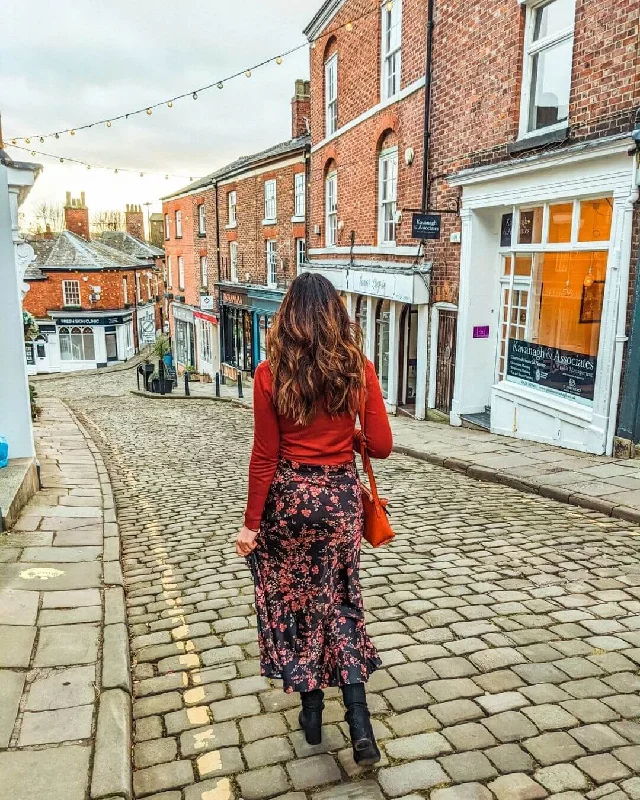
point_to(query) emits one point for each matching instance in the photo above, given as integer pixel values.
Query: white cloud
(76, 62)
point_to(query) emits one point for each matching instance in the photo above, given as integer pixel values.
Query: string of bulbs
(193, 93)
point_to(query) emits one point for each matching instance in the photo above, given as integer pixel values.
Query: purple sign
(481, 332)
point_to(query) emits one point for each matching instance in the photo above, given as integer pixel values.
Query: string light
(389, 6)
(42, 140)
(220, 83)
(86, 164)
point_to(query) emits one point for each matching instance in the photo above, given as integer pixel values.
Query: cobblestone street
(509, 627)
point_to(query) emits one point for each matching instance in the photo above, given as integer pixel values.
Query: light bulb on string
(27, 141)
(88, 166)
(279, 60)
(62, 160)
(108, 123)
(220, 85)
(14, 141)
(57, 135)
(389, 6)
(115, 171)
(33, 152)
(166, 177)
(42, 140)
(72, 132)
(349, 26)
(195, 95)
(170, 104)
(142, 174)
(149, 112)
(248, 73)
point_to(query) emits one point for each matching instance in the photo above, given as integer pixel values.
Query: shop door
(42, 354)
(112, 346)
(445, 360)
(408, 358)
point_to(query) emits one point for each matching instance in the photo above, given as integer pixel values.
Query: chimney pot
(76, 216)
(68, 199)
(82, 200)
(301, 108)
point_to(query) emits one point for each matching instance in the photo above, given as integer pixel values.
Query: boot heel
(311, 724)
(365, 749)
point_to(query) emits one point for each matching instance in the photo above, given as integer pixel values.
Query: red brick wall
(191, 246)
(134, 221)
(46, 295)
(76, 220)
(251, 234)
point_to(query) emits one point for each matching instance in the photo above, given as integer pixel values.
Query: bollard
(187, 392)
(161, 375)
(217, 384)
(240, 395)
(138, 377)
(223, 380)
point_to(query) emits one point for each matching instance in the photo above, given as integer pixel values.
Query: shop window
(331, 209)
(552, 301)
(530, 225)
(331, 94)
(76, 344)
(71, 293)
(387, 193)
(548, 52)
(361, 318)
(391, 47)
(383, 313)
(204, 339)
(264, 323)
(236, 330)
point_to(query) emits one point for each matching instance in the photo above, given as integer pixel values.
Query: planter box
(154, 385)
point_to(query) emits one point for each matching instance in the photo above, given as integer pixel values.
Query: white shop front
(391, 306)
(546, 246)
(69, 342)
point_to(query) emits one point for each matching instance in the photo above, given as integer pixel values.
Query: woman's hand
(246, 541)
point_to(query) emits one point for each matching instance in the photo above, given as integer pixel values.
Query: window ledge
(267, 222)
(297, 220)
(179, 237)
(539, 140)
(201, 234)
(231, 226)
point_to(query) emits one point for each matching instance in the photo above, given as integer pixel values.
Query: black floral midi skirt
(311, 628)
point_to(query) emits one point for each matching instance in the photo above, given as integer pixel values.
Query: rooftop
(66, 250)
(131, 245)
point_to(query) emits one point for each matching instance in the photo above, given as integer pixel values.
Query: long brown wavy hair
(314, 352)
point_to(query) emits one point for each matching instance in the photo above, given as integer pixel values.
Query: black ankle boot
(365, 749)
(311, 715)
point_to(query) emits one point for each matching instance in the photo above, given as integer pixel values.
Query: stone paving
(508, 623)
(65, 687)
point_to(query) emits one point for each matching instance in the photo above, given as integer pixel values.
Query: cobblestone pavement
(509, 627)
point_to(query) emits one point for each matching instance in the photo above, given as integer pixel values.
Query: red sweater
(326, 440)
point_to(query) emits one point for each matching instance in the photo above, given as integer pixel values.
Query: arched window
(76, 344)
(383, 312)
(387, 188)
(331, 87)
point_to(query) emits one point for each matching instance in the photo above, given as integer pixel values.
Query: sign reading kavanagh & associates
(559, 371)
(426, 226)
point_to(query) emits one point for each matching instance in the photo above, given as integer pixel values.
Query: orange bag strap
(366, 461)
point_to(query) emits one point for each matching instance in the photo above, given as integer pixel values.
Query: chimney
(134, 221)
(301, 109)
(76, 216)
(47, 234)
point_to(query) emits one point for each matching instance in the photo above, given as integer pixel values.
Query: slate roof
(243, 163)
(66, 250)
(130, 245)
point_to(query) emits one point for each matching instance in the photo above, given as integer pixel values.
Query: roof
(323, 16)
(157, 217)
(130, 245)
(244, 163)
(66, 250)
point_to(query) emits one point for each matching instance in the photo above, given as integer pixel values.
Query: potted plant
(155, 384)
(30, 326)
(162, 349)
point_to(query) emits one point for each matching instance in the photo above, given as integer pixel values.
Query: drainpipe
(220, 325)
(629, 409)
(427, 106)
(307, 199)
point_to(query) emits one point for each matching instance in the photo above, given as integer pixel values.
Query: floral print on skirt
(311, 628)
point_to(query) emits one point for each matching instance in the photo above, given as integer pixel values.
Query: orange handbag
(377, 530)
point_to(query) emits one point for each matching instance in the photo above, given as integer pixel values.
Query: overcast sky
(69, 63)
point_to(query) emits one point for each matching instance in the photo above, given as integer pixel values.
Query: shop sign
(480, 331)
(30, 352)
(183, 314)
(551, 369)
(426, 226)
(207, 317)
(380, 284)
(91, 320)
(233, 299)
(206, 302)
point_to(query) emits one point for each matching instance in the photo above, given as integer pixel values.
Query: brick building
(235, 240)
(95, 301)
(531, 109)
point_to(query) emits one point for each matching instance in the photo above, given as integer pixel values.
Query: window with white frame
(178, 224)
(138, 288)
(180, 272)
(232, 199)
(203, 271)
(331, 94)
(388, 195)
(391, 47)
(272, 262)
(331, 209)
(71, 293)
(167, 227)
(552, 288)
(202, 225)
(125, 290)
(233, 261)
(169, 273)
(76, 344)
(204, 339)
(299, 194)
(270, 210)
(301, 254)
(546, 77)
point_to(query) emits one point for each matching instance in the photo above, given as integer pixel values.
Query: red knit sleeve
(266, 447)
(377, 428)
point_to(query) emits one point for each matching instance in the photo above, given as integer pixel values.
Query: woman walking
(304, 518)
